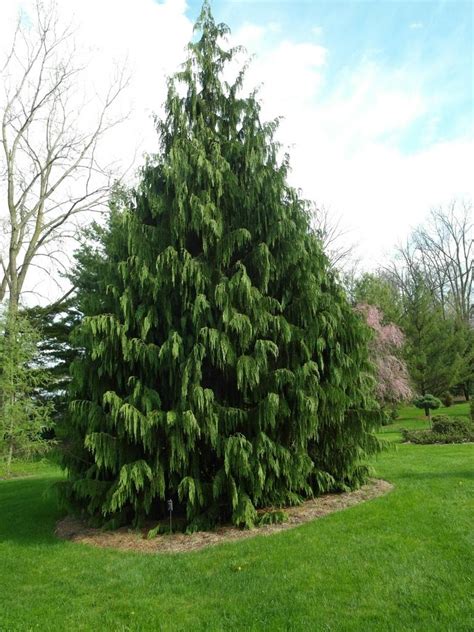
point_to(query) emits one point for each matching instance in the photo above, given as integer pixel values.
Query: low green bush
(394, 412)
(158, 530)
(446, 430)
(442, 424)
(389, 414)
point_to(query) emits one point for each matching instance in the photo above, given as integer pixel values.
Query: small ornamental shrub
(427, 403)
(156, 531)
(447, 399)
(417, 436)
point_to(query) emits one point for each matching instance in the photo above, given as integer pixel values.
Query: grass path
(401, 562)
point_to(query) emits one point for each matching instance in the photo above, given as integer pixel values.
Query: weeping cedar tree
(226, 371)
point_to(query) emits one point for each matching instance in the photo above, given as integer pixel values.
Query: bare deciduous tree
(49, 167)
(332, 235)
(404, 271)
(444, 248)
(441, 252)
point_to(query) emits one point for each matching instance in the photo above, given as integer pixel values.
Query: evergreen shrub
(427, 403)
(442, 424)
(444, 430)
(447, 399)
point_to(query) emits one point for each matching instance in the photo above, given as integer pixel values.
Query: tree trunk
(9, 332)
(9, 461)
(465, 389)
(428, 414)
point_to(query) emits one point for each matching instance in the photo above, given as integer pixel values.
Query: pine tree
(437, 352)
(225, 368)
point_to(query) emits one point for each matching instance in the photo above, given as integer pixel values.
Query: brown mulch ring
(133, 540)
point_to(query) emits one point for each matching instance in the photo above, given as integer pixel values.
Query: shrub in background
(427, 403)
(394, 412)
(444, 430)
(442, 424)
(447, 399)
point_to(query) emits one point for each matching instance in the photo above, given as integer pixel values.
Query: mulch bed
(134, 540)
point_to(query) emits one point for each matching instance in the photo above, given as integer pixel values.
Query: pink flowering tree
(392, 379)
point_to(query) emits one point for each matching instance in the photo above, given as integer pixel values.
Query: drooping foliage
(222, 365)
(391, 373)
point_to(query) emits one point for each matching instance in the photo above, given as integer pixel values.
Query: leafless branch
(441, 253)
(333, 237)
(51, 171)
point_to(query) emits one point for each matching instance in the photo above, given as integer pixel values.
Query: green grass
(26, 468)
(401, 562)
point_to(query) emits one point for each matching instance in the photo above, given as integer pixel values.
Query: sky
(376, 98)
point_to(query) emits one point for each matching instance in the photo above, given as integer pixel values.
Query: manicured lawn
(401, 562)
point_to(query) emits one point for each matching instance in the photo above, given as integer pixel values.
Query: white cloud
(345, 145)
(250, 35)
(416, 25)
(381, 193)
(274, 27)
(289, 74)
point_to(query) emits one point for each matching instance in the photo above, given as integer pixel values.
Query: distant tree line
(427, 291)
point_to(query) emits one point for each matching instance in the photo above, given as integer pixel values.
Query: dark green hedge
(444, 430)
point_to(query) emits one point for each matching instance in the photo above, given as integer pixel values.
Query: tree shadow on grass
(28, 511)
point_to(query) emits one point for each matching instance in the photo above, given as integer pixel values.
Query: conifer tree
(225, 368)
(53, 324)
(24, 418)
